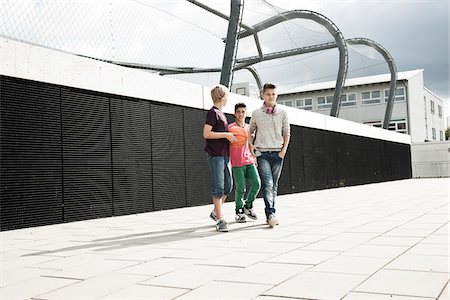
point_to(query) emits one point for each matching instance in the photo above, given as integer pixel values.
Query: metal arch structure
(318, 18)
(229, 56)
(257, 78)
(246, 63)
(392, 69)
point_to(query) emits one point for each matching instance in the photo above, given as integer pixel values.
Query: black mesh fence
(69, 154)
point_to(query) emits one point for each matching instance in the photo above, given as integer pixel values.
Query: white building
(417, 111)
(245, 89)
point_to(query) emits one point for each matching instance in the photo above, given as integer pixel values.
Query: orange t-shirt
(240, 155)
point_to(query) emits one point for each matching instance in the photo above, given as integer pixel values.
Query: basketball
(240, 135)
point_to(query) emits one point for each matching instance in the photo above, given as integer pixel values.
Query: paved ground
(378, 241)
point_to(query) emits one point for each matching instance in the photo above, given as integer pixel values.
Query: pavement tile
(190, 277)
(351, 265)
(304, 257)
(95, 268)
(303, 238)
(371, 296)
(159, 266)
(239, 259)
(430, 249)
(376, 251)
(145, 292)
(33, 287)
(317, 285)
(436, 239)
(445, 295)
(10, 277)
(330, 245)
(405, 283)
(226, 291)
(421, 263)
(274, 247)
(265, 273)
(93, 288)
(394, 241)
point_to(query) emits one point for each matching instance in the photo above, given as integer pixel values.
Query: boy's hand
(282, 153)
(252, 149)
(230, 137)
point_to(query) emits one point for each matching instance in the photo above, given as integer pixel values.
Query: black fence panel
(197, 169)
(131, 156)
(86, 155)
(70, 154)
(30, 154)
(169, 169)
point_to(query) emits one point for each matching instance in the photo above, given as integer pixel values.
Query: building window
(394, 125)
(288, 103)
(372, 97)
(305, 104)
(433, 132)
(241, 91)
(426, 132)
(432, 106)
(440, 111)
(441, 135)
(324, 102)
(374, 124)
(398, 126)
(399, 94)
(348, 100)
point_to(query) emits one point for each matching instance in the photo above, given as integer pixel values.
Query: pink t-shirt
(241, 156)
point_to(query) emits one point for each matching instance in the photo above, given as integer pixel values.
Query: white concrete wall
(415, 93)
(431, 159)
(433, 120)
(36, 63)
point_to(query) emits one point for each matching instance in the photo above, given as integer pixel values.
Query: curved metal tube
(392, 68)
(330, 26)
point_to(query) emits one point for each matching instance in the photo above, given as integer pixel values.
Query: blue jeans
(221, 179)
(269, 167)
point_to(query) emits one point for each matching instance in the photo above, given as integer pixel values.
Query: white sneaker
(272, 221)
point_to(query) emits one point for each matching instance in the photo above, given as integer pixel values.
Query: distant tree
(447, 133)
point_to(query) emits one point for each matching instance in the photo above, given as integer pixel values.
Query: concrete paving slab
(377, 241)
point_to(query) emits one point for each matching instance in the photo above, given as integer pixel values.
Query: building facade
(417, 111)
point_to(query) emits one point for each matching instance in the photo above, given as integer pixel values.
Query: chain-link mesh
(179, 34)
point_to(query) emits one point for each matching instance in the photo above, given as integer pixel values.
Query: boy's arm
(286, 139)
(251, 136)
(286, 136)
(209, 134)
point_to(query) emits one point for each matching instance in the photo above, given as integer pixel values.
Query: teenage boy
(215, 132)
(269, 139)
(243, 166)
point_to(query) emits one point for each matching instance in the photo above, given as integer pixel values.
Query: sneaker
(272, 221)
(222, 226)
(250, 213)
(240, 218)
(213, 216)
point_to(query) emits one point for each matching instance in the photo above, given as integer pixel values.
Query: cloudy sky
(177, 33)
(416, 33)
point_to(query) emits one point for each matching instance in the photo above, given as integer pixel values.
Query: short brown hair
(240, 104)
(268, 86)
(218, 92)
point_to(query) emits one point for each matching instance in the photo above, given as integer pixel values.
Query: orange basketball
(240, 135)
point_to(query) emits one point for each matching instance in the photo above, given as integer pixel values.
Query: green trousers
(240, 174)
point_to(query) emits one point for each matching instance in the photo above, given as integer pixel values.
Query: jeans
(221, 179)
(269, 167)
(240, 174)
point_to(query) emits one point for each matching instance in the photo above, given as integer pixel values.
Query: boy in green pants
(243, 166)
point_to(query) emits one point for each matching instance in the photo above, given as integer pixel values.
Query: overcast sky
(416, 33)
(177, 33)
